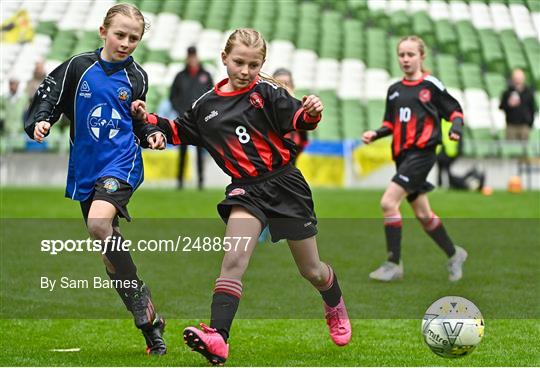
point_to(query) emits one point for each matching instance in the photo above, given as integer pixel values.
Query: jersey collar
(233, 93)
(414, 82)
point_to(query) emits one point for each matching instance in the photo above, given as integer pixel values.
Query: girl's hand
(369, 136)
(157, 141)
(138, 110)
(312, 105)
(41, 129)
(454, 136)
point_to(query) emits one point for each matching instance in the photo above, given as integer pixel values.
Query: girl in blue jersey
(242, 122)
(94, 91)
(414, 108)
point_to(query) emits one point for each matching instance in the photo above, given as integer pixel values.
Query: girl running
(414, 108)
(241, 122)
(94, 91)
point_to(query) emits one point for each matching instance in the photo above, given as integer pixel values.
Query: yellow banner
(163, 165)
(322, 170)
(369, 158)
(17, 28)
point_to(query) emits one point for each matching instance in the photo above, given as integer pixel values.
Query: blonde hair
(421, 46)
(248, 37)
(129, 10)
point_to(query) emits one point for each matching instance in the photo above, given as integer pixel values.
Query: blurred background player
(299, 137)
(189, 85)
(105, 163)
(12, 108)
(519, 106)
(414, 108)
(245, 138)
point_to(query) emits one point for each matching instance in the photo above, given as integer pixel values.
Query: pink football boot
(208, 342)
(338, 323)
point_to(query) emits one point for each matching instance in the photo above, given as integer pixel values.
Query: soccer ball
(452, 327)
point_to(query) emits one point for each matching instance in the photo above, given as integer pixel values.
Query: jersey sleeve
(448, 106)
(182, 130)
(289, 113)
(387, 126)
(51, 97)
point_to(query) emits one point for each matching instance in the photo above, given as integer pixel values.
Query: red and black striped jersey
(414, 110)
(242, 130)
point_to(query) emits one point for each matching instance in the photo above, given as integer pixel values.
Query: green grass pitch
(276, 325)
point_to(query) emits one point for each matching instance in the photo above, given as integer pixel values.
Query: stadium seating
(343, 50)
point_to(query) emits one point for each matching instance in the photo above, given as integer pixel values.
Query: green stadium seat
(495, 84)
(531, 47)
(215, 18)
(174, 7)
(195, 10)
(422, 25)
(150, 6)
(471, 76)
(492, 53)
(158, 56)
(47, 28)
(353, 37)
(331, 35)
(377, 48)
(353, 120)
(375, 114)
(400, 23)
(468, 44)
(446, 37)
(513, 52)
(447, 69)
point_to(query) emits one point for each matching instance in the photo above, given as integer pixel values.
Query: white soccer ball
(453, 327)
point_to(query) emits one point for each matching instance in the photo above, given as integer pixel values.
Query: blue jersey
(104, 139)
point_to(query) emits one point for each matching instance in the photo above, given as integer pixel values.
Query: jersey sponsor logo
(393, 95)
(85, 90)
(404, 178)
(236, 192)
(256, 100)
(111, 185)
(212, 115)
(103, 120)
(424, 95)
(123, 94)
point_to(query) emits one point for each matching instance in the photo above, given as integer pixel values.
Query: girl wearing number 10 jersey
(414, 108)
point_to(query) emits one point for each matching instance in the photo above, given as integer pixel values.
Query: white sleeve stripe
(435, 81)
(197, 100)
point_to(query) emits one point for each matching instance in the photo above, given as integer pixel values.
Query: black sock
(393, 242)
(125, 269)
(332, 295)
(224, 307)
(440, 236)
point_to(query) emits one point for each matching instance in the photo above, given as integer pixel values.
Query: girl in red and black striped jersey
(414, 108)
(242, 122)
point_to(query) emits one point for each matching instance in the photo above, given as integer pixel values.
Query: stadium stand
(343, 50)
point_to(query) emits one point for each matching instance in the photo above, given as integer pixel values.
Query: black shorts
(413, 168)
(115, 191)
(282, 200)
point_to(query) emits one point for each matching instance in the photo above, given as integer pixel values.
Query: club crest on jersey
(103, 121)
(111, 185)
(256, 100)
(425, 95)
(236, 191)
(123, 93)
